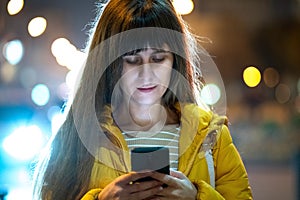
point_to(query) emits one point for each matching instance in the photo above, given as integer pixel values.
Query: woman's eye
(158, 58)
(132, 60)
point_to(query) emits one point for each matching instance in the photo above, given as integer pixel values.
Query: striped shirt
(168, 137)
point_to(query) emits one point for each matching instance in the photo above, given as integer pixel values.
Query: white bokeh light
(24, 193)
(66, 54)
(15, 6)
(24, 143)
(210, 94)
(183, 7)
(59, 45)
(37, 26)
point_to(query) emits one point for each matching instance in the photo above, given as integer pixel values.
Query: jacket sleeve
(92, 194)
(230, 173)
(205, 191)
(231, 180)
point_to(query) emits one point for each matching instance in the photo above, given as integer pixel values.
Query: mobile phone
(150, 158)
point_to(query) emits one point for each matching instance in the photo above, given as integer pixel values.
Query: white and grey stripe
(167, 137)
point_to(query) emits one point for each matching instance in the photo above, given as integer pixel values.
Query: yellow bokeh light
(252, 76)
(37, 26)
(183, 7)
(15, 6)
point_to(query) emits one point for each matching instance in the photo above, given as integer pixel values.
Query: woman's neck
(137, 117)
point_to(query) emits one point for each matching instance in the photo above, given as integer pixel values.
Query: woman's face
(146, 75)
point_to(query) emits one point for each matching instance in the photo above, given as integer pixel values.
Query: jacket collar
(195, 124)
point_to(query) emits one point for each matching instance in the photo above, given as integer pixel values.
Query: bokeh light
(24, 143)
(282, 93)
(66, 58)
(63, 91)
(13, 51)
(210, 94)
(23, 176)
(52, 111)
(72, 80)
(183, 7)
(66, 54)
(7, 72)
(37, 26)
(271, 77)
(24, 193)
(59, 45)
(15, 6)
(40, 94)
(251, 76)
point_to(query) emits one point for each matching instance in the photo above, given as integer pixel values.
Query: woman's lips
(146, 89)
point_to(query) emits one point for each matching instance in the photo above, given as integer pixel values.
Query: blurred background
(255, 44)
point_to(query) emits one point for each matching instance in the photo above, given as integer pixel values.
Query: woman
(139, 87)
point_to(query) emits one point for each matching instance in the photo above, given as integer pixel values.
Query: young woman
(139, 87)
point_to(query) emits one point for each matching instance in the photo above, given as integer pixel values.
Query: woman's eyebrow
(131, 53)
(156, 50)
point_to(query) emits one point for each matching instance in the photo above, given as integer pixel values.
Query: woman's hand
(178, 186)
(124, 188)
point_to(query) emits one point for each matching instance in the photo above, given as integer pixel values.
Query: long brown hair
(64, 172)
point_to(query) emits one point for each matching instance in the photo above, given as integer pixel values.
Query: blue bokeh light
(40, 94)
(13, 51)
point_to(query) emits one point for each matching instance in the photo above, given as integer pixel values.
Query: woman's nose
(145, 70)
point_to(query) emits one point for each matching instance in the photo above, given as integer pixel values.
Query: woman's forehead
(162, 48)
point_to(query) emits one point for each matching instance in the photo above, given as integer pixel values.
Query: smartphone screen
(151, 158)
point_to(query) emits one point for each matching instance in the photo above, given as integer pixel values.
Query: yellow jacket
(197, 127)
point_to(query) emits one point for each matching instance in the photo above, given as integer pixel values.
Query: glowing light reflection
(24, 143)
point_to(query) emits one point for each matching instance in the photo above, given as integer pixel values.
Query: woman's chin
(145, 101)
